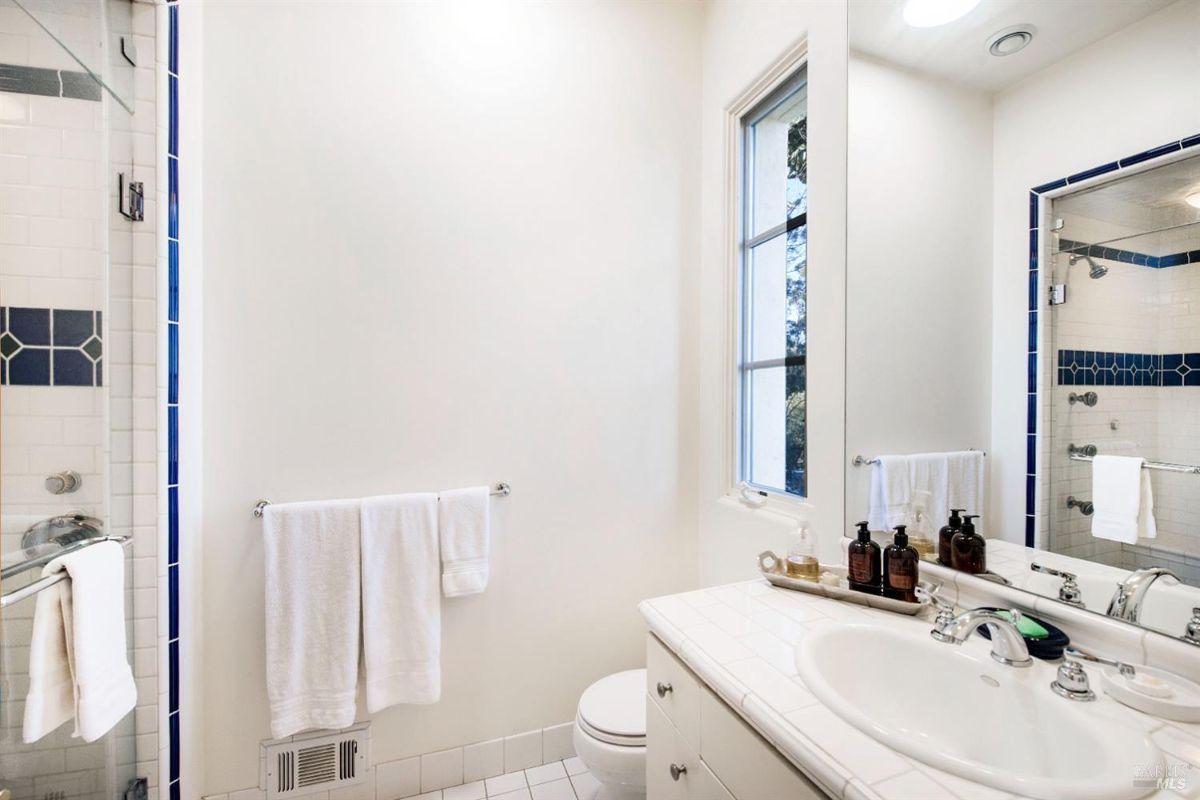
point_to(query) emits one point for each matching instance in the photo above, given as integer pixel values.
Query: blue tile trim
(1140, 371)
(50, 347)
(174, 332)
(1101, 368)
(1112, 166)
(1129, 256)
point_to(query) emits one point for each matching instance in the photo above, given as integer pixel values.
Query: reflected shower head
(1095, 271)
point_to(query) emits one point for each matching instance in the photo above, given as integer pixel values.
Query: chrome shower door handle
(663, 689)
(677, 771)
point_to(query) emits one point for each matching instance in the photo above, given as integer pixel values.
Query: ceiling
(958, 52)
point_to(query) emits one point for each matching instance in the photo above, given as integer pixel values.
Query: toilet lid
(613, 709)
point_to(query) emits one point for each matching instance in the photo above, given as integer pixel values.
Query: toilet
(610, 734)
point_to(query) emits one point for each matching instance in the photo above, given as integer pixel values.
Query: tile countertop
(740, 640)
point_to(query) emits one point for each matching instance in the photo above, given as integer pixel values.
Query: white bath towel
(953, 480)
(313, 613)
(463, 524)
(402, 625)
(78, 663)
(1123, 500)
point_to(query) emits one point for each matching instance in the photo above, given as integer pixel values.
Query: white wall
(448, 245)
(741, 42)
(918, 308)
(1124, 94)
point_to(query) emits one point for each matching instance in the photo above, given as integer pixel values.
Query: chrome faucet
(1008, 645)
(1127, 600)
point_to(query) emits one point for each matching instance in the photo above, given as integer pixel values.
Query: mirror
(1023, 281)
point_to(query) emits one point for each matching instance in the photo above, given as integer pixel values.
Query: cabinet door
(702, 784)
(747, 764)
(662, 751)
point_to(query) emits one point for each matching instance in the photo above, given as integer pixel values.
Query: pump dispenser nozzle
(864, 531)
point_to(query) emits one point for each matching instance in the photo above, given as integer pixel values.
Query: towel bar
(34, 587)
(1162, 466)
(860, 461)
(499, 490)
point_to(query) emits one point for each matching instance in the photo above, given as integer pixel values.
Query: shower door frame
(1040, 228)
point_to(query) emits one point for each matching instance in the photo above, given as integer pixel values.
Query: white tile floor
(558, 780)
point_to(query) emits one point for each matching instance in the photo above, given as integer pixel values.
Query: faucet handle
(1069, 592)
(1192, 634)
(945, 610)
(1072, 682)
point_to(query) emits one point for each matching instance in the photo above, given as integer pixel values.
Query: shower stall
(1123, 365)
(77, 372)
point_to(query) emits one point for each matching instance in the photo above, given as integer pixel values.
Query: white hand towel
(402, 623)
(78, 665)
(891, 489)
(1123, 500)
(463, 524)
(313, 603)
(954, 479)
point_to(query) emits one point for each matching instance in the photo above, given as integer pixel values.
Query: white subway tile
(398, 779)
(483, 760)
(522, 751)
(441, 769)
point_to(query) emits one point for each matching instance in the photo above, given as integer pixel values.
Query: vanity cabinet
(697, 748)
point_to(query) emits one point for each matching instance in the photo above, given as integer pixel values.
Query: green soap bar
(1027, 627)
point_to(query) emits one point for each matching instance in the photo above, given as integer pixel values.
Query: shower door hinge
(131, 198)
(1058, 294)
(139, 789)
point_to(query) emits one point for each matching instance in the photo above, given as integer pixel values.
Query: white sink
(956, 709)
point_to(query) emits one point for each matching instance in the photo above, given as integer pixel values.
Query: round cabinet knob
(677, 770)
(663, 689)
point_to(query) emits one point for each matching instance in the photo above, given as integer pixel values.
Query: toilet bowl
(610, 734)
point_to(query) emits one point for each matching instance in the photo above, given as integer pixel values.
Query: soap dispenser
(968, 550)
(900, 568)
(863, 561)
(946, 534)
(801, 558)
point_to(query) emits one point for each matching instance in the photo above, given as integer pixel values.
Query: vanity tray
(771, 567)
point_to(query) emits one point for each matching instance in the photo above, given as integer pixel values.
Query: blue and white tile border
(1037, 292)
(174, 664)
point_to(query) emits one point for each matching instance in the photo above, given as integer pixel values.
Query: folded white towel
(953, 480)
(402, 625)
(78, 663)
(1123, 500)
(891, 489)
(312, 611)
(463, 524)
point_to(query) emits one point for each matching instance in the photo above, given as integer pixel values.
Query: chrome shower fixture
(1089, 399)
(1095, 271)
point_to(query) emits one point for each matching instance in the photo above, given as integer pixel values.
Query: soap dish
(771, 567)
(1183, 704)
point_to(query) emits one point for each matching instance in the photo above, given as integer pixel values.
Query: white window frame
(782, 74)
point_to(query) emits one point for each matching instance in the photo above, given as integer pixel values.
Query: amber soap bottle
(946, 535)
(863, 561)
(900, 568)
(968, 550)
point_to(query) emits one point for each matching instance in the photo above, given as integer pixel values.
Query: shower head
(1095, 271)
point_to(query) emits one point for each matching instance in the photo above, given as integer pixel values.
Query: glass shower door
(65, 411)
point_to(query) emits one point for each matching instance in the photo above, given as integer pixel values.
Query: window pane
(777, 147)
(775, 427)
(776, 297)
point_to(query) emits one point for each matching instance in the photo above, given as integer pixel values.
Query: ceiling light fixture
(1010, 40)
(1193, 199)
(931, 13)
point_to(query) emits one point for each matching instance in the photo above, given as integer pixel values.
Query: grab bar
(499, 490)
(33, 588)
(860, 461)
(1164, 466)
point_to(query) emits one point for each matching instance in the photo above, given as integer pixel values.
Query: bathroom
(541, 270)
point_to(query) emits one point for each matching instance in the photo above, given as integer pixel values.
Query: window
(772, 366)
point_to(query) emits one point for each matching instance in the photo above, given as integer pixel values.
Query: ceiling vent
(316, 764)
